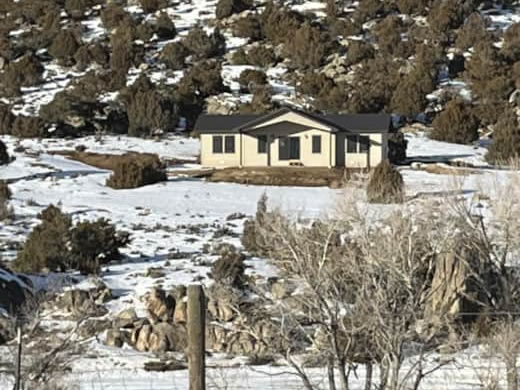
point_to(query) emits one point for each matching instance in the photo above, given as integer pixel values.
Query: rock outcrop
(85, 302)
(14, 290)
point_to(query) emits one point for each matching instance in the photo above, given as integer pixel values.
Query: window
(358, 144)
(230, 143)
(262, 144)
(217, 144)
(289, 148)
(316, 144)
(364, 144)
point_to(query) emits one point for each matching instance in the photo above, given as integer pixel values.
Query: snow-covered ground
(181, 216)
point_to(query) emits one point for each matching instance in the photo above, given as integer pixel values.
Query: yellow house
(289, 137)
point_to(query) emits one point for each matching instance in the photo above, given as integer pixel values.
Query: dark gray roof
(359, 122)
(342, 122)
(214, 123)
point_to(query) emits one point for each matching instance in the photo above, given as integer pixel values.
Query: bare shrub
(137, 170)
(4, 155)
(229, 269)
(24, 72)
(143, 32)
(397, 145)
(412, 7)
(308, 47)
(472, 32)
(386, 185)
(506, 139)
(77, 8)
(261, 56)
(58, 245)
(6, 211)
(28, 127)
(113, 15)
(122, 56)
(93, 244)
(369, 9)
(150, 6)
(46, 246)
(203, 46)
(204, 79)
(251, 240)
(248, 27)
(226, 8)
(388, 34)
(373, 85)
(490, 83)
(64, 45)
(174, 55)
(261, 102)
(279, 23)
(359, 51)
(315, 84)
(164, 27)
(149, 109)
(445, 16)
(99, 54)
(456, 123)
(250, 79)
(6, 119)
(511, 48)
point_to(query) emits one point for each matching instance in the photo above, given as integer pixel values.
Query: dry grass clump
(6, 211)
(57, 244)
(456, 124)
(137, 170)
(386, 184)
(4, 156)
(229, 268)
(226, 8)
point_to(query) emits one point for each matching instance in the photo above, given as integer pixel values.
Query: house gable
(288, 116)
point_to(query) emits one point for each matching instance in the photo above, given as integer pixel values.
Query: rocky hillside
(142, 67)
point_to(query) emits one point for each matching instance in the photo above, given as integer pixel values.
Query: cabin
(289, 137)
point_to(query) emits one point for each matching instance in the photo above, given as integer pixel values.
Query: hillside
(70, 67)
(102, 229)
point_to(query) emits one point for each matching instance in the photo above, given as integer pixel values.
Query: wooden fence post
(196, 337)
(18, 366)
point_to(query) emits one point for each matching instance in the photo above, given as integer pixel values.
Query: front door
(289, 148)
(294, 146)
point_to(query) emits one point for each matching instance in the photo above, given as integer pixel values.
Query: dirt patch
(439, 169)
(101, 160)
(282, 176)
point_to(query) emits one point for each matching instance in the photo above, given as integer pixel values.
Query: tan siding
(219, 160)
(362, 160)
(250, 155)
(307, 158)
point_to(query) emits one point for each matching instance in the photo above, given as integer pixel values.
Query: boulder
(161, 337)
(81, 302)
(141, 338)
(160, 305)
(217, 105)
(125, 318)
(92, 327)
(7, 331)
(180, 315)
(454, 286)
(279, 290)
(114, 338)
(222, 300)
(14, 290)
